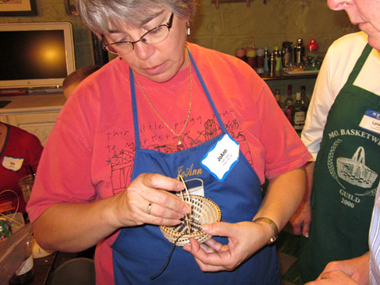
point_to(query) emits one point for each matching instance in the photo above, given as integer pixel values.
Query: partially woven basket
(203, 211)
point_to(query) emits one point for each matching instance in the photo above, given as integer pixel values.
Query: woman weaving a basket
(159, 113)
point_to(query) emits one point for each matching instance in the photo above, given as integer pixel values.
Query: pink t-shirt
(90, 152)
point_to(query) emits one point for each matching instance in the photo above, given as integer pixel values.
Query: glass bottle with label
(286, 52)
(266, 59)
(289, 105)
(272, 64)
(277, 56)
(299, 113)
(304, 97)
(260, 60)
(299, 53)
(251, 58)
(277, 96)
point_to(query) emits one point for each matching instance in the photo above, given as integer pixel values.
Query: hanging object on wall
(217, 2)
(70, 7)
(18, 8)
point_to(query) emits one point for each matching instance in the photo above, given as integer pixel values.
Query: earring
(188, 28)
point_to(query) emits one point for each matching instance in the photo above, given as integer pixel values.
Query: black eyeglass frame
(109, 46)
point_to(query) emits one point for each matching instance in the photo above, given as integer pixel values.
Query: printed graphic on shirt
(350, 170)
(157, 137)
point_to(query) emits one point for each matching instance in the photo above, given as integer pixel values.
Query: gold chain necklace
(154, 109)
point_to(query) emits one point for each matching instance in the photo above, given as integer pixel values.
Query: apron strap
(134, 104)
(359, 64)
(207, 93)
(134, 108)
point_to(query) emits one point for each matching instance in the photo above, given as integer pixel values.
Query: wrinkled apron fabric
(140, 252)
(345, 180)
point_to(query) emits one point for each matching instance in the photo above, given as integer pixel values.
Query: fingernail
(205, 227)
(306, 235)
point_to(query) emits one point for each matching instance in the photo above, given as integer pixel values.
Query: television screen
(34, 55)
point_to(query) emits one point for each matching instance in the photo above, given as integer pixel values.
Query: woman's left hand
(244, 239)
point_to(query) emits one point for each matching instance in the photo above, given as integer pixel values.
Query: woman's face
(159, 62)
(365, 14)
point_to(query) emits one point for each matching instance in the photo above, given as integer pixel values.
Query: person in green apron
(342, 133)
(346, 172)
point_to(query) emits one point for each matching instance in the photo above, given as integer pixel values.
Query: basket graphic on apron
(354, 171)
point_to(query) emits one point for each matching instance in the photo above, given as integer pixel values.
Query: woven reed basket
(203, 211)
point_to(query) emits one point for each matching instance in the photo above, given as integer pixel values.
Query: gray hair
(101, 15)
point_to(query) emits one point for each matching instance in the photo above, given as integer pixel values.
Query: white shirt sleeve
(335, 70)
(319, 107)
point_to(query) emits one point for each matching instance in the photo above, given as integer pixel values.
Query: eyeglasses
(151, 37)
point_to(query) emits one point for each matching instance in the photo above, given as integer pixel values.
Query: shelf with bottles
(294, 106)
(288, 62)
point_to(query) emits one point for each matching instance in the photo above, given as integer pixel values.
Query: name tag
(12, 163)
(371, 121)
(222, 157)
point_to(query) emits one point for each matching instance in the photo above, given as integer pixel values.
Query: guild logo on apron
(352, 169)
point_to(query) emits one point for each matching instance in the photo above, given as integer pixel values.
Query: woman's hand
(91, 222)
(244, 239)
(301, 219)
(147, 201)
(334, 278)
(345, 272)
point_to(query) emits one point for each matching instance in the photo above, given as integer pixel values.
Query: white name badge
(222, 157)
(12, 163)
(371, 121)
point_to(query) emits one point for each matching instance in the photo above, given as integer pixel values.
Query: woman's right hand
(301, 219)
(147, 201)
(345, 272)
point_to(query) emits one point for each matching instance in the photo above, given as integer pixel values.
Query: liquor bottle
(299, 53)
(240, 53)
(272, 64)
(299, 113)
(277, 96)
(286, 52)
(266, 59)
(277, 56)
(251, 58)
(260, 60)
(304, 97)
(289, 105)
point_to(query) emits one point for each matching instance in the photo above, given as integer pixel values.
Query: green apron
(345, 179)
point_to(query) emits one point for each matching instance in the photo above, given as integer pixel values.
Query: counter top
(24, 103)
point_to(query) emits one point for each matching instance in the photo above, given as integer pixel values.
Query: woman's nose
(142, 50)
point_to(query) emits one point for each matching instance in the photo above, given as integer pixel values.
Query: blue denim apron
(140, 252)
